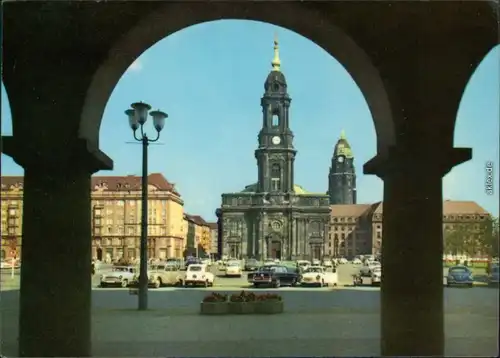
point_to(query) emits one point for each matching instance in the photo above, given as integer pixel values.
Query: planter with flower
(269, 303)
(242, 303)
(214, 304)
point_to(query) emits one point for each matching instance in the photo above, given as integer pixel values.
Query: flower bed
(242, 303)
(269, 303)
(214, 304)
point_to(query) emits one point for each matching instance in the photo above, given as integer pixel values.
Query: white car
(119, 276)
(268, 262)
(357, 262)
(233, 269)
(198, 274)
(342, 260)
(303, 264)
(327, 263)
(367, 268)
(376, 275)
(317, 276)
(316, 262)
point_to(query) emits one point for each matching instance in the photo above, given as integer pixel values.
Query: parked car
(198, 274)
(343, 261)
(251, 265)
(174, 262)
(368, 266)
(303, 264)
(191, 261)
(274, 275)
(318, 276)
(357, 261)
(327, 263)
(269, 262)
(164, 275)
(233, 268)
(459, 275)
(119, 276)
(493, 276)
(316, 262)
(376, 275)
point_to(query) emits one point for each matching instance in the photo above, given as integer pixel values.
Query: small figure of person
(93, 268)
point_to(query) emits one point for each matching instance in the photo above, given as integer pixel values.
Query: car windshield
(377, 269)
(303, 263)
(172, 260)
(159, 267)
(314, 269)
(194, 268)
(233, 264)
(251, 262)
(459, 270)
(120, 269)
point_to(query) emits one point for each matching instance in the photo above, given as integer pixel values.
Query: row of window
(152, 230)
(129, 202)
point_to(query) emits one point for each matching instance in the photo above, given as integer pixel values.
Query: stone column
(244, 239)
(293, 243)
(55, 297)
(412, 312)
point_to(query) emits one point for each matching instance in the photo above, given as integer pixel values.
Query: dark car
(251, 265)
(274, 276)
(459, 275)
(191, 261)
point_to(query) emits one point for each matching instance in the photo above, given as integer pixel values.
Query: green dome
(343, 147)
(297, 189)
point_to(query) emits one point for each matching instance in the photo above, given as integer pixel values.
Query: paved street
(322, 322)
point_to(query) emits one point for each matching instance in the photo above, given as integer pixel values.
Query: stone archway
(165, 21)
(99, 253)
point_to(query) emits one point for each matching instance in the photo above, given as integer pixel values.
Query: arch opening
(164, 22)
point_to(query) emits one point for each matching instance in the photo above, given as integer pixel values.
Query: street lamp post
(137, 117)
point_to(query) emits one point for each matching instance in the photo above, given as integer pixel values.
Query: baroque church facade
(274, 218)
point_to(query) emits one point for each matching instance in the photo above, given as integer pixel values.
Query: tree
(454, 240)
(488, 236)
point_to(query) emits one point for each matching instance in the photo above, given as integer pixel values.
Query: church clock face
(276, 140)
(340, 159)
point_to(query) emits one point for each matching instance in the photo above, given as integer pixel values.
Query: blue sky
(209, 78)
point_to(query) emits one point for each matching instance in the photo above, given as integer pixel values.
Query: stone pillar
(55, 297)
(412, 307)
(244, 239)
(293, 243)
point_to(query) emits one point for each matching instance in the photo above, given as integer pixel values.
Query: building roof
(196, 219)
(213, 226)
(352, 210)
(110, 183)
(297, 189)
(451, 207)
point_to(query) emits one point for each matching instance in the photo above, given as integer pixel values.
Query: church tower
(342, 176)
(275, 154)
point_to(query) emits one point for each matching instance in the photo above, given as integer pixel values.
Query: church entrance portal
(99, 254)
(234, 251)
(316, 252)
(275, 250)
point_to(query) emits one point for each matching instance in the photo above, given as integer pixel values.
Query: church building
(274, 218)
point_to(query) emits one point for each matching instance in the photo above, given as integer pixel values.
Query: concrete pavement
(316, 322)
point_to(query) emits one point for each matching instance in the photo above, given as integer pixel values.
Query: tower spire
(276, 60)
(342, 134)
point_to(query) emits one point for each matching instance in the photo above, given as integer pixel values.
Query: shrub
(243, 297)
(269, 297)
(215, 297)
